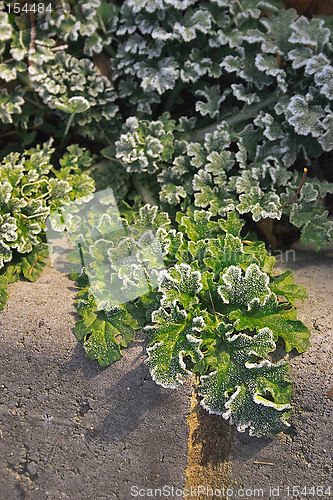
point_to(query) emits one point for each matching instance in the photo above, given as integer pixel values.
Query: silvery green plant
(220, 173)
(258, 79)
(76, 92)
(50, 76)
(214, 308)
(270, 73)
(30, 189)
(92, 24)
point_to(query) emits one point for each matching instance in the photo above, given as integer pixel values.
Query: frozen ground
(70, 429)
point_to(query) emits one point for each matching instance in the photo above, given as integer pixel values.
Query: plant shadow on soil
(131, 396)
(130, 405)
(88, 368)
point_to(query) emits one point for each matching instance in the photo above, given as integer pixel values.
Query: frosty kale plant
(92, 24)
(228, 58)
(257, 77)
(56, 76)
(30, 189)
(220, 173)
(73, 88)
(214, 309)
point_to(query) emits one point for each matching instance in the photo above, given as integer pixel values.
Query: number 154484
(19, 8)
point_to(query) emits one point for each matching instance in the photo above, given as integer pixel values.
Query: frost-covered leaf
(6, 28)
(149, 5)
(197, 224)
(272, 129)
(326, 139)
(172, 337)
(318, 230)
(76, 104)
(244, 290)
(232, 224)
(225, 252)
(172, 194)
(261, 205)
(10, 104)
(304, 117)
(324, 80)
(104, 333)
(317, 64)
(143, 144)
(281, 321)
(7, 72)
(253, 395)
(300, 56)
(180, 284)
(161, 77)
(213, 97)
(275, 40)
(195, 67)
(244, 94)
(268, 64)
(191, 23)
(309, 32)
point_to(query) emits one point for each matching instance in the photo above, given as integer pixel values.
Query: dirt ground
(72, 430)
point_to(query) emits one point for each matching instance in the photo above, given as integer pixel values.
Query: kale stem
(305, 171)
(239, 5)
(234, 119)
(69, 123)
(35, 102)
(143, 191)
(211, 299)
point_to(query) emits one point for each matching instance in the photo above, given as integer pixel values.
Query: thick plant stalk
(143, 191)
(244, 115)
(305, 171)
(209, 447)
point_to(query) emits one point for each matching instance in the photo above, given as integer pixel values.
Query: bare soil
(69, 428)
